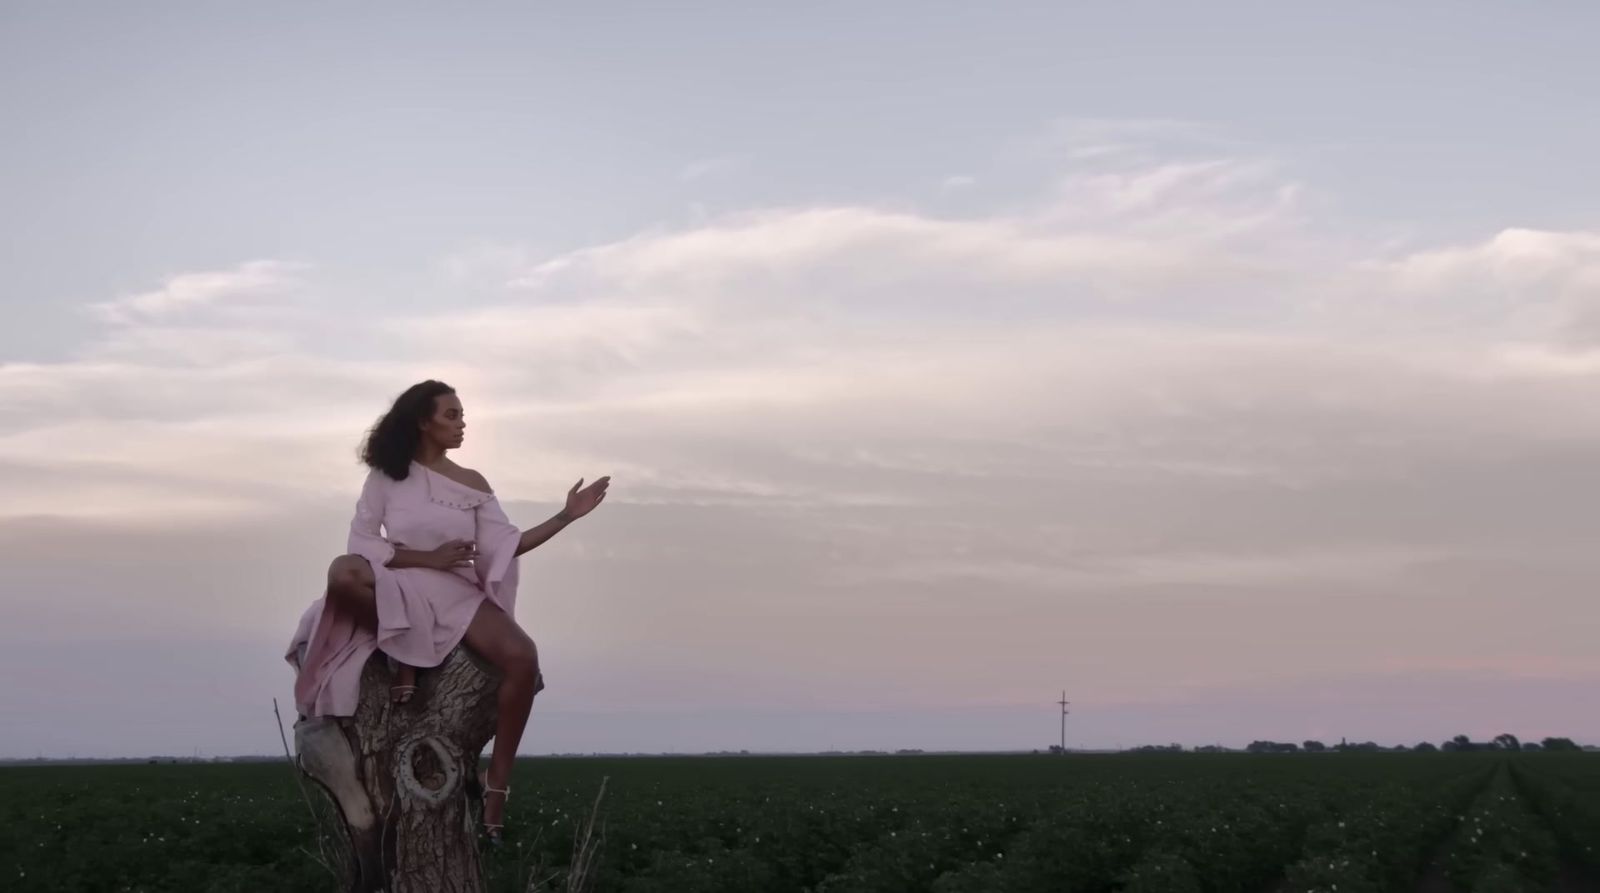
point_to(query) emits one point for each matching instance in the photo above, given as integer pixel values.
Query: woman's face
(448, 426)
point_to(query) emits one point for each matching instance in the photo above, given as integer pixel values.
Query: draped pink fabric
(422, 612)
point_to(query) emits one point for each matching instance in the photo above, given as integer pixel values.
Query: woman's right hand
(455, 553)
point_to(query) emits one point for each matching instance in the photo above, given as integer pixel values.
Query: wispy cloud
(188, 291)
(1092, 326)
(703, 168)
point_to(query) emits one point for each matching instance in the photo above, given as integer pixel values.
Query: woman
(432, 563)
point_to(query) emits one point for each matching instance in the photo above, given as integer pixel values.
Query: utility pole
(1064, 702)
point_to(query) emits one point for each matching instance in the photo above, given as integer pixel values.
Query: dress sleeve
(497, 548)
(365, 538)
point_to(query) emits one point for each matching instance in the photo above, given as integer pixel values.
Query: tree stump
(403, 778)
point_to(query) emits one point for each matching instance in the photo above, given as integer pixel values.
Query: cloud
(248, 282)
(1200, 572)
(702, 168)
(864, 259)
(1516, 256)
(1083, 144)
(1088, 332)
(1526, 282)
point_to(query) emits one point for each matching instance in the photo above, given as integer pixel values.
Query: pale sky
(1233, 367)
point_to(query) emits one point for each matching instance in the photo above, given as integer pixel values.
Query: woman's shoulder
(377, 476)
(379, 480)
(474, 479)
(467, 477)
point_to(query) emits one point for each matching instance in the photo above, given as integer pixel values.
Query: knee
(349, 577)
(522, 661)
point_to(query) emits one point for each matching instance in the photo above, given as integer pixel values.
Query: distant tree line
(1505, 742)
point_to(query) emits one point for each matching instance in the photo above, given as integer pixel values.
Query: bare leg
(499, 640)
(351, 586)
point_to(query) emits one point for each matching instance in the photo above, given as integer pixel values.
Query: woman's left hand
(582, 502)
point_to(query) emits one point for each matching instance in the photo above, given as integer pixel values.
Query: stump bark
(403, 779)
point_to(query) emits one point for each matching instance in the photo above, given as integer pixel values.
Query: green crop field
(953, 824)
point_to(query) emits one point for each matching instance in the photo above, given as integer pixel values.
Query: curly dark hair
(391, 444)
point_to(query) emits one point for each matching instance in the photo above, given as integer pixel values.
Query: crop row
(1381, 838)
(1565, 790)
(1219, 824)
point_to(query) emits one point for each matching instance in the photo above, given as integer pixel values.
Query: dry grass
(579, 876)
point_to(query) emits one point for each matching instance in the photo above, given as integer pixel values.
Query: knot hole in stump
(430, 770)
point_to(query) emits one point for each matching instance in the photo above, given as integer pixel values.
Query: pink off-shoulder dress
(422, 612)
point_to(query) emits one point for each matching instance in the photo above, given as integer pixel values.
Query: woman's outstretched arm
(579, 503)
(534, 536)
